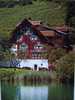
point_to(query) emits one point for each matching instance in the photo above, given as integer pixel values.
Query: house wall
(34, 45)
(41, 63)
(59, 42)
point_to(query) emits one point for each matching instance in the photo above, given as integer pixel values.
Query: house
(29, 39)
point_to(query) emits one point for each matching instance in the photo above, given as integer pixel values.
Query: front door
(35, 67)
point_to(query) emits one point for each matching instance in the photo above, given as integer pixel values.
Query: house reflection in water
(32, 93)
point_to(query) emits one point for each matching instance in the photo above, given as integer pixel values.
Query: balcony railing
(38, 50)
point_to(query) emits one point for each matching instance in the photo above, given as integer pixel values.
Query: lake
(23, 91)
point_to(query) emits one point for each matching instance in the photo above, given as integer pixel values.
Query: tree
(65, 67)
(7, 56)
(55, 54)
(70, 13)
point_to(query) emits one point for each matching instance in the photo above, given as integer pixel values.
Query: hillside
(49, 12)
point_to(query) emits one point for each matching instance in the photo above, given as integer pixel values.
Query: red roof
(63, 28)
(48, 33)
(35, 22)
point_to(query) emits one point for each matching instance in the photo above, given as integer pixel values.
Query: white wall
(31, 62)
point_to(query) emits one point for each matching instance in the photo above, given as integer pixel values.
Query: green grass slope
(49, 12)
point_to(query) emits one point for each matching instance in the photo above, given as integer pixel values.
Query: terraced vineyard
(49, 12)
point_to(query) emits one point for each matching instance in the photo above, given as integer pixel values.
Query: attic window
(27, 31)
(33, 37)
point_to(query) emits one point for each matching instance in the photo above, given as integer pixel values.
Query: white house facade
(34, 64)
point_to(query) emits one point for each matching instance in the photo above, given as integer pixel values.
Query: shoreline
(29, 76)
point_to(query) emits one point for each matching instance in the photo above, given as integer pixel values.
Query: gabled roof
(48, 33)
(34, 23)
(62, 28)
(40, 29)
(19, 26)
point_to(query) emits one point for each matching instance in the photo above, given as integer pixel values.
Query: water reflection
(60, 92)
(51, 91)
(33, 93)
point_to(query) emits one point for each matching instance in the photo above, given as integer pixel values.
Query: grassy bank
(49, 12)
(17, 75)
(12, 74)
(4, 72)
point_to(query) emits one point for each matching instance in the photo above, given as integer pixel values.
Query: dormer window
(27, 31)
(33, 37)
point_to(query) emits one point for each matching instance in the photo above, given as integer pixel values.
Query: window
(23, 46)
(38, 46)
(33, 37)
(27, 31)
